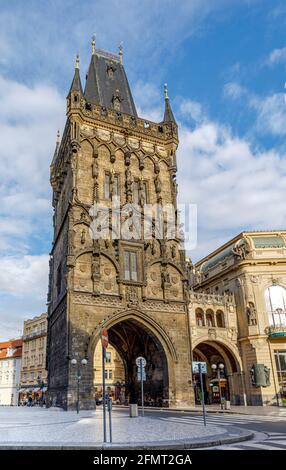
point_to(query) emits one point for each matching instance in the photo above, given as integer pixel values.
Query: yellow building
(238, 318)
(33, 371)
(114, 374)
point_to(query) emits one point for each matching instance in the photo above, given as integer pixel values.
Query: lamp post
(41, 386)
(74, 362)
(218, 369)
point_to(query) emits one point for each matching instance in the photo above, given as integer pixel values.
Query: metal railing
(35, 334)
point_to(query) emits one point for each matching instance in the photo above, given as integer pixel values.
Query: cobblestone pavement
(40, 425)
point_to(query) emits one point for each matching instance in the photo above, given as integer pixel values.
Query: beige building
(114, 374)
(33, 371)
(238, 318)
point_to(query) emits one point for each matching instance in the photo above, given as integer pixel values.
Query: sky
(225, 65)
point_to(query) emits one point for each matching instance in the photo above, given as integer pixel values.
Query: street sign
(104, 338)
(143, 375)
(196, 369)
(141, 360)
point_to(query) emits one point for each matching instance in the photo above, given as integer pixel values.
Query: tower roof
(76, 83)
(106, 82)
(168, 115)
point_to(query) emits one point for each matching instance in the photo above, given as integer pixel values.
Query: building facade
(33, 370)
(114, 374)
(10, 367)
(228, 310)
(133, 286)
(238, 317)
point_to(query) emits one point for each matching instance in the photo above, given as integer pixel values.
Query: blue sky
(225, 64)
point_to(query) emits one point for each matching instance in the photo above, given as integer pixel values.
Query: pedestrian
(30, 401)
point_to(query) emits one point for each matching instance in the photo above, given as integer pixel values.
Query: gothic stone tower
(136, 288)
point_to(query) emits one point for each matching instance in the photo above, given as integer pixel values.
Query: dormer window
(116, 100)
(110, 71)
(116, 104)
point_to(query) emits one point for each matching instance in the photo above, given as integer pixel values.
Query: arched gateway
(115, 264)
(133, 334)
(224, 379)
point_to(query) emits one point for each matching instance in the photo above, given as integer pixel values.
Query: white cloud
(23, 289)
(271, 113)
(233, 90)
(277, 56)
(193, 109)
(29, 118)
(27, 275)
(235, 186)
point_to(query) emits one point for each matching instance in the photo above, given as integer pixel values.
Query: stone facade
(114, 374)
(136, 288)
(33, 370)
(250, 270)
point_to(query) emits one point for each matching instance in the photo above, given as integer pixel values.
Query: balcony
(35, 334)
(276, 331)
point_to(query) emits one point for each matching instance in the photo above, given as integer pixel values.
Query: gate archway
(133, 334)
(224, 381)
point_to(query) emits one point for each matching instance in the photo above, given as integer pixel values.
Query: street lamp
(219, 369)
(74, 362)
(41, 386)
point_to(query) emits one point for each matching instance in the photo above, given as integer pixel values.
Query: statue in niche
(95, 170)
(158, 184)
(129, 181)
(251, 314)
(141, 192)
(82, 236)
(173, 251)
(165, 277)
(111, 183)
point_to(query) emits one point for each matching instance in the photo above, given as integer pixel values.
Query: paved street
(39, 426)
(270, 431)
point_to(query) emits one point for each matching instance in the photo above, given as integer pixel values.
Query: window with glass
(280, 361)
(130, 265)
(110, 374)
(108, 357)
(209, 318)
(219, 319)
(275, 300)
(199, 317)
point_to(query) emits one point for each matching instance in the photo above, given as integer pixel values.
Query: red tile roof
(16, 344)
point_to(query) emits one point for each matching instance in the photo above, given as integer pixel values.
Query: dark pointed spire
(76, 83)
(168, 115)
(106, 79)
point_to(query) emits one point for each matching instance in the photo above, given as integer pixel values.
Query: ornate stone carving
(131, 296)
(251, 314)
